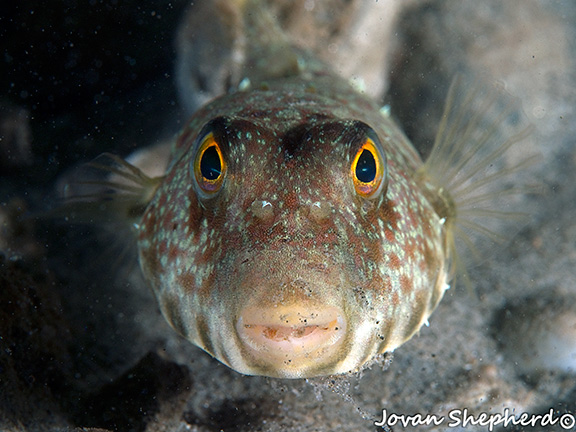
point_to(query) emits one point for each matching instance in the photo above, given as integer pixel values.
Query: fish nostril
(319, 211)
(263, 210)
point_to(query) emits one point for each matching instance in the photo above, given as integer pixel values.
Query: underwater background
(82, 343)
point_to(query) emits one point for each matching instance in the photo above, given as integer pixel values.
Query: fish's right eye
(209, 165)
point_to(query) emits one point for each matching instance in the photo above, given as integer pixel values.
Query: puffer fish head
(293, 243)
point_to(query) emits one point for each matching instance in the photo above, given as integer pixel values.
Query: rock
(538, 333)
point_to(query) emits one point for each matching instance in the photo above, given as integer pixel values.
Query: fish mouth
(290, 341)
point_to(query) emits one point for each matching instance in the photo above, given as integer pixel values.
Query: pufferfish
(296, 231)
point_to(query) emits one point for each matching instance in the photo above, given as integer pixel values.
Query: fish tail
(267, 52)
(226, 46)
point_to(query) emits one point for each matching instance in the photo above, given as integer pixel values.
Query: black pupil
(210, 165)
(366, 167)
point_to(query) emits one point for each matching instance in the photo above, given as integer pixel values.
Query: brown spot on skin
(405, 285)
(187, 282)
(422, 265)
(395, 263)
(426, 229)
(389, 235)
(411, 249)
(161, 248)
(291, 200)
(389, 215)
(173, 251)
(168, 220)
(161, 203)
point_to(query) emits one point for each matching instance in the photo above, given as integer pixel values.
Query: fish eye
(209, 165)
(368, 169)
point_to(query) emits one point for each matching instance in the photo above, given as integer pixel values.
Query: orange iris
(209, 165)
(368, 170)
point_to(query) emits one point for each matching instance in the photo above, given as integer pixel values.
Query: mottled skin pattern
(290, 142)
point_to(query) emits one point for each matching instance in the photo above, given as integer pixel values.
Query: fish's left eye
(209, 165)
(368, 169)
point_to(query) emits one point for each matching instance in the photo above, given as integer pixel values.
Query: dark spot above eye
(366, 167)
(210, 165)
